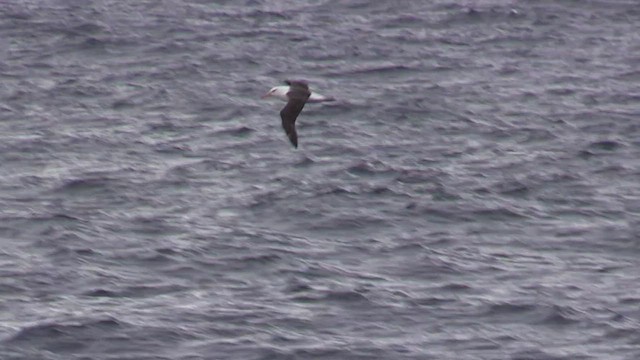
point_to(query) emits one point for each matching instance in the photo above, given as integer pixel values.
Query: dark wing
(298, 95)
(297, 84)
(289, 114)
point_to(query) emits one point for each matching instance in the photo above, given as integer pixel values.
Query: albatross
(296, 93)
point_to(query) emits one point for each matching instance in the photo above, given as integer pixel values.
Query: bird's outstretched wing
(289, 114)
(298, 95)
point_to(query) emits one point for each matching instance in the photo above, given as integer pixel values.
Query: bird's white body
(280, 92)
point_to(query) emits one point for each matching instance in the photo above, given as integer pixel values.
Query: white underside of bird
(280, 93)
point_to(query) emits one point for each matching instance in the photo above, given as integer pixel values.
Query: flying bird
(296, 93)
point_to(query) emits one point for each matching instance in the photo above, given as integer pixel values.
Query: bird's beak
(265, 96)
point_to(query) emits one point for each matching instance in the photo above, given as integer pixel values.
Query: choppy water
(474, 194)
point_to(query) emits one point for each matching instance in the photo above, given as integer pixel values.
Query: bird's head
(278, 92)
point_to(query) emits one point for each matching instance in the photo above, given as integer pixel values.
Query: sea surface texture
(473, 193)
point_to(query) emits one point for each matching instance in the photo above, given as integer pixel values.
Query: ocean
(473, 193)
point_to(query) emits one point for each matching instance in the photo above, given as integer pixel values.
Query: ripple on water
(471, 194)
(65, 337)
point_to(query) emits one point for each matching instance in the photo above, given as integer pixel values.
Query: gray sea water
(473, 193)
